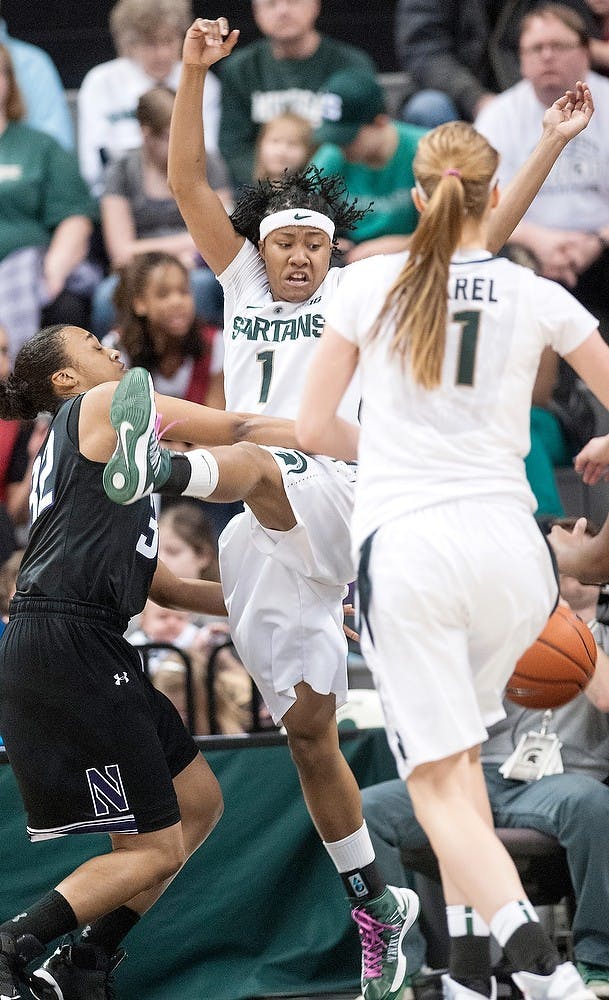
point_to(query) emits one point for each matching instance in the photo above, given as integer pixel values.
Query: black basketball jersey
(82, 546)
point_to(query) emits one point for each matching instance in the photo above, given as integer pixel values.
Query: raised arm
(565, 119)
(206, 42)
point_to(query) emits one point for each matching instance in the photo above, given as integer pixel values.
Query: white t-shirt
(269, 345)
(576, 193)
(107, 101)
(467, 438)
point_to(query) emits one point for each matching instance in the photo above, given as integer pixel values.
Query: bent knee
(164, 864)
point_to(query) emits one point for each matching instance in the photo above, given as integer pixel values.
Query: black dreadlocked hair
(307, 188)
(28, 390)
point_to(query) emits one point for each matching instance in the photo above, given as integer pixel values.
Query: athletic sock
(46, 919)
(526, 945)
(193, 474)
(353, 858)
(470, 952)
(108, 931)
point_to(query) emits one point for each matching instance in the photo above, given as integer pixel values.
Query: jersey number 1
(469, 320)
(266, 360)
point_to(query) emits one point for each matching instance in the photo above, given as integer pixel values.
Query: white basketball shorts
(284, 589)
(458, 591)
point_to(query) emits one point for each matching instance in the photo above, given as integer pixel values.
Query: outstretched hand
(570, 114)
(207, 42)
(592, 462)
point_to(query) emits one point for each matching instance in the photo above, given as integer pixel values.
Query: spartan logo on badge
(107, 790)
(294, 460)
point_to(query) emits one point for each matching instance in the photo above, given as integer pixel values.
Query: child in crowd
(177, 632)
(284, 143)
(186, 540)
(140, 214)
(158, 329)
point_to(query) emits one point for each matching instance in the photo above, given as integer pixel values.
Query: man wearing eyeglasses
(567, 226)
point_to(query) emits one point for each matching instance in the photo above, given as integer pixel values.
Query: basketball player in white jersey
(286, 561)
(456, 578)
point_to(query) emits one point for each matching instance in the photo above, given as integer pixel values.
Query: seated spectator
(567, 225)
(284, 143)
(282, 71)
(373, 155)
(167, 669)
(139, 213)
(232, 692)
(165, 625)
(599, 40)
(186, 540)
(20, 442)
(158, 329)
(572, 806)
(458, 55)
(46, 218)
(46, 106)
(444, 48)
(147, 35)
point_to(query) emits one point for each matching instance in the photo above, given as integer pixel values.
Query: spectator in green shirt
(46, 217)
(283, 71)
(373, 155)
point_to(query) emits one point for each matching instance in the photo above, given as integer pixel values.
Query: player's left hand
(570, 114)
(592, 462)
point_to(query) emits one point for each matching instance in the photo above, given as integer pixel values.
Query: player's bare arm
(199, 596)
(206, 42)
(181, 420)
(565, 119)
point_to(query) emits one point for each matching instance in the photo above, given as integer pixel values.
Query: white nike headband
(296, 217)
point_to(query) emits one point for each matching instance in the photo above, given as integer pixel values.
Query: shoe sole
(133, 415)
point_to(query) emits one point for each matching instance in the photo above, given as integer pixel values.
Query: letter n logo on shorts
(107, 790)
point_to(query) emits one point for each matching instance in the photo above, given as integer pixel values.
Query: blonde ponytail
(453, 167)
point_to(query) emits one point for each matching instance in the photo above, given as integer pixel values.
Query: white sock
(464, 921)
(510, 917)
(354, 851)
(204, 473)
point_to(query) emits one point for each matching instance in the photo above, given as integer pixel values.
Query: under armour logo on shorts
(119, 678)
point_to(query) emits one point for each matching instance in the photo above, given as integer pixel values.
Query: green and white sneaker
(139, 465)
(382, 925)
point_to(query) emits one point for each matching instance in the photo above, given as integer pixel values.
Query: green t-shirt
(40, 186)
(256, 87)
(388, 187)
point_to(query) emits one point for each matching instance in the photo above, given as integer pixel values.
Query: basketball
(558, 666)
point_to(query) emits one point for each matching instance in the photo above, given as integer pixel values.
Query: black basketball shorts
(93, 745)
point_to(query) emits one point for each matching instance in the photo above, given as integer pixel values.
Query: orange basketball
(557, 666)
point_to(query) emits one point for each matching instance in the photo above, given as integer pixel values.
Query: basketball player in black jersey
(93, 745)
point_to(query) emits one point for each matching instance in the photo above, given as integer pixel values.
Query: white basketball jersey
(469, 436)
(269, 345)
